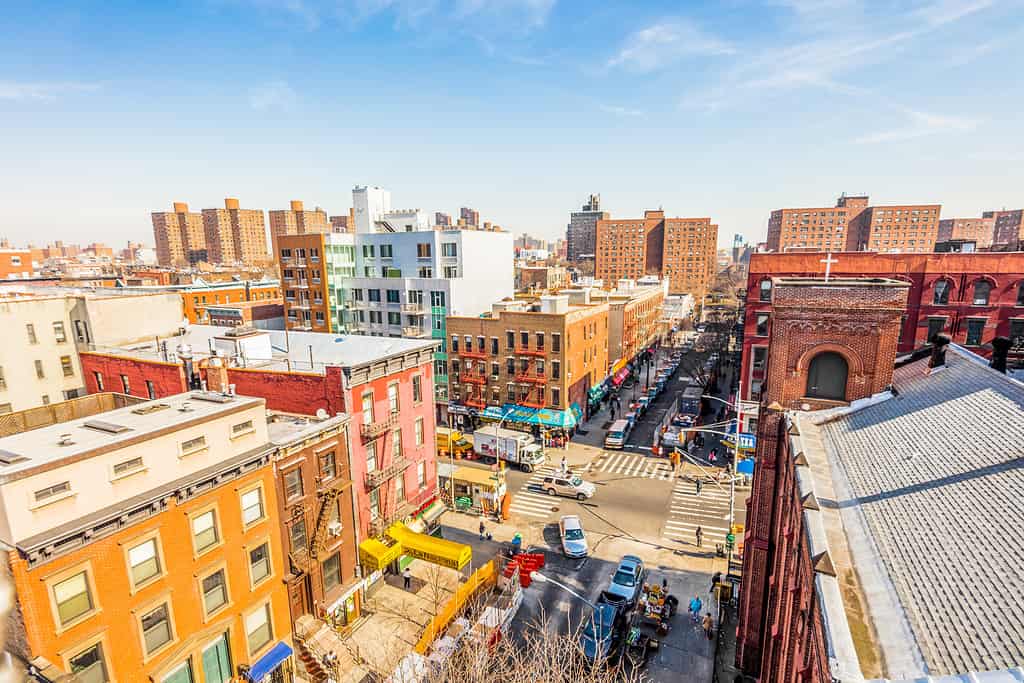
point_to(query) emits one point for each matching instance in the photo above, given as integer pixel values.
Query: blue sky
(518, 108)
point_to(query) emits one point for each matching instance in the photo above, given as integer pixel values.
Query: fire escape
(531, 379)
(475, 374)
(327, 496)
(389, 509)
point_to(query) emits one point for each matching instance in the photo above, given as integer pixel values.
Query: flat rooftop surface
(936, 474)
(290, 351)
(31, 449)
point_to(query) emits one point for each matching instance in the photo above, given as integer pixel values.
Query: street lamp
(537, 576)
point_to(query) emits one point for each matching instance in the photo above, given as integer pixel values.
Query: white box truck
(514, 447)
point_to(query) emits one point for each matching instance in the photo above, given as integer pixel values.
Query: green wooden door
(217, 662)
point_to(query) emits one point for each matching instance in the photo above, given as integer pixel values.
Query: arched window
(766, 290)
(826, 376)
(942, 288)
(982, 289)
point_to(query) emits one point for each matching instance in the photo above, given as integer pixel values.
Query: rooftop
(920, 494)
(298, 351)
(284, 428)
(53, 443)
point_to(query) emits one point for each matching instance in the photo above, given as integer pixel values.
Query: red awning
(620, 376)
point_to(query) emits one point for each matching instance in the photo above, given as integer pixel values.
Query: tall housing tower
(179, 235)
(581, 233)
(235, 235)
(297, 221)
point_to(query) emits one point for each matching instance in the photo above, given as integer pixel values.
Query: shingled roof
(929, 483)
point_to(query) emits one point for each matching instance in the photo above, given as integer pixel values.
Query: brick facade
(780, 635)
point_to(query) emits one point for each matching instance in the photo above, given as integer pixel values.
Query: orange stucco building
(150, 546)
(195, 299)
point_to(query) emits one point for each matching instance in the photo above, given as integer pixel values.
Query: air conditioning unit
(334, 529)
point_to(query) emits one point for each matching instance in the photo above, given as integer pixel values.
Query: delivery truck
(451, 442)
(515, 448)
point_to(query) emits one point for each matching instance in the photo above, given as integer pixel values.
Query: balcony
(476, 402)
(386, 473)
(530, 402)
(470, 353)
(531, 378)
(414, 308)
(371, 431)
(472, 378)
(413, 332)
(524, 351)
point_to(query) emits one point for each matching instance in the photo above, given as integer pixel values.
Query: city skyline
(112, 114)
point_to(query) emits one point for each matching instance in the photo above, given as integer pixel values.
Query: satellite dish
(321, 414)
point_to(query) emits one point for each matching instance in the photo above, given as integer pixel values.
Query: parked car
(604, 633)
(572, 486)
(628, 579)
(617, 433)
(574, 541)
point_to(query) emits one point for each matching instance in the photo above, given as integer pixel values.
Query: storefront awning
(429, 548)
(748, 442)
(433, 512)
(618, 365)
(266, 664)
(620, 376)
(510, 412)
(374, 555)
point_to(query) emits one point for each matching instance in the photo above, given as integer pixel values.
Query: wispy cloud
(272, 95)
(22, 91)
(920, 124)
(624, 112)
(665, 43)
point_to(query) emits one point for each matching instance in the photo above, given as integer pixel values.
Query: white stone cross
(828, 261)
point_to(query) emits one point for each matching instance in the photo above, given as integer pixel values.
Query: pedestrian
(712, 455)
(715, 581)
(698, 484)
(700, 536)
(695, 606)
(407, 578)
(483, 527)
(565, 466)
(708, 625)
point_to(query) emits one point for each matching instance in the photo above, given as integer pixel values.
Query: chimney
(296, 205)
(939, 343)
(180, 207)
(230, 203)
(217, 375)
(1000, 349)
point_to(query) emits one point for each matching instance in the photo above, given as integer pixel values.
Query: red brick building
(978, 230)
(385, 385)
(1009, 229)
(972, 297)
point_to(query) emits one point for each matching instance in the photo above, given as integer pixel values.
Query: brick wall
(167, 378)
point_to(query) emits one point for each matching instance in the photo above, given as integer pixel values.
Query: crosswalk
(531, 500)
(687, 510)
(639, 466)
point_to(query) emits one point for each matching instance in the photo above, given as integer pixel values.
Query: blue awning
(510, 412)
(745, 466)
(268, 662)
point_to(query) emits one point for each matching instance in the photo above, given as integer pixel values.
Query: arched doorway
(826, 376)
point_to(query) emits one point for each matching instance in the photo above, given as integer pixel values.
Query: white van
(616, 436)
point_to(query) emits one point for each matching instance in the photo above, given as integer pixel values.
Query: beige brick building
(235, 235)
(910, 227)
(542, 353)
(179, 235)
(980, 230)
(635, 311)
(295, 220)
(680, 250)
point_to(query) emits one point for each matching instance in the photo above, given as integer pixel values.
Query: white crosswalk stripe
(638, 466)
(687, 510)
(532, 504)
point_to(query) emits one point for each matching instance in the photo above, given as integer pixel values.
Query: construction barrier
(483, 578)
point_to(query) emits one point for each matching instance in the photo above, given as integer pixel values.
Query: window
(371, 456)
(556, 369)
(540, 340)
(215, 592)
(72, 598)
(974, 331)
(941, 295)
(241, 428)
(437, 299)
(451, 272)
(143, 562)
(418, 431)
(368, 408)
(449, 249)
(555, 396)
(127, 388)
(193, 445)
(130, 466)
(373, 294)
(259, 563)
(156, 628)
(150, 390)
(494, 346)
(421, 474)
(204, 531)
(58, 332)
(39, 370)
(524, 339)
(374, 504)
(385, 251)
(89, 665)
(331, 570)
(766, 290)
(826, 377)
(510, 340)
(368, 251)
(510, 365)
(258, 629)
(423, 250)
(252, 506)
(762, 324)
(556, 342)
(31, 330)
(328, 466)
(54, 492)
(417, 389)
(297, 534)
(982, 290)
(393, 398)
(393, 296)
(394, 318)
(293, 483)
(760, 357)
(396, 445)
(1017, 335)
(935, 325)
(455, 343)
